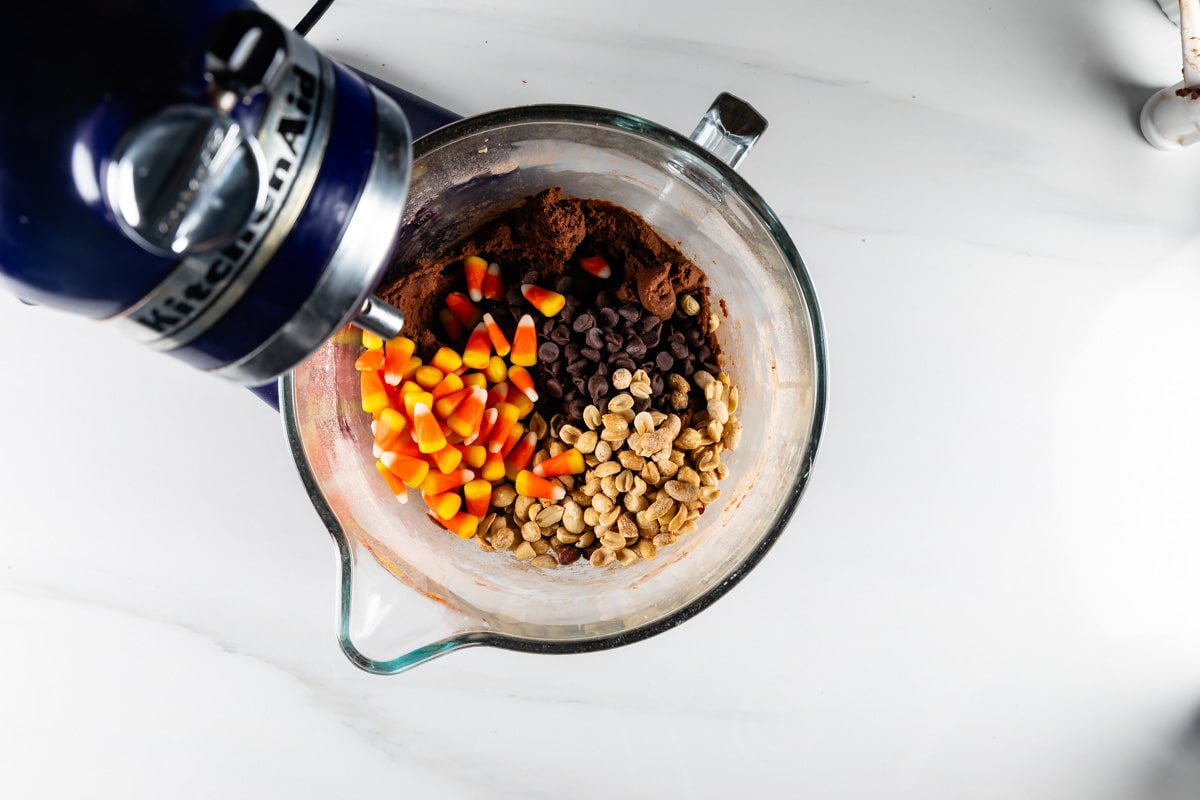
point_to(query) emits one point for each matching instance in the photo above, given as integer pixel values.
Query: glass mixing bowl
(411, 591)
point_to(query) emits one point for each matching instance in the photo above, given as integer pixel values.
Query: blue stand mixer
(199, 175)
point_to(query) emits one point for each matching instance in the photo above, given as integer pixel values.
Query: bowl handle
(729, 129)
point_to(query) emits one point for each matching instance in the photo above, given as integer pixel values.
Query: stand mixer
(224, 184)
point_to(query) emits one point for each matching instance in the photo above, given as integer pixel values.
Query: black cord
(315, 13)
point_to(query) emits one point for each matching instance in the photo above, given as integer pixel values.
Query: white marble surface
(990, 590)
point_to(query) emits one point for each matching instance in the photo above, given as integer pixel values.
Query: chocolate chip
(578, 367)
(656, 384)
(597, 387)
(678, 350)
(647, 322)
(609, 317)
(547, 326)
(595, 338)
(575, 408)
(641, 404)
(554, 387)
(548, 352)
(651, 338)
(563, 284)
(580, 383)
(590, 353)
(561, 334)
(513, 296)
(636, 349)
(613, 342)
(530, 276)
(583, 322)
(704, 353)
(623, 361)
(571, 351)
(664, 361)
(630, 312)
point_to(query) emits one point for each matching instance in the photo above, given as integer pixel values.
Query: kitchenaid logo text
(285, 141)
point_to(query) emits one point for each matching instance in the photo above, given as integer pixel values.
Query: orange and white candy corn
(369, 360)
(490, 416)
(524, 344)
(597, 266)
(445, 505)
(446, 360)
(524, 404)
(374, 396)
(478, 494)
(448, 458)
(411, 398)
(478, 351)
(512, 440)
(426, 429)
(568, 462)
(439, 482)
(493, 468)
(462, 525)
(445, 406)
(466, 312)
(393, 482)
(397, 356)
(413, 471)
(388, 427)
(428, 376)
(450, 384)
(506, 419)
(544, 300)
(493, 285)
(475, 268)
(519, 377)
(529, 485)
(520, 456)
(499, 341)
(467, 417)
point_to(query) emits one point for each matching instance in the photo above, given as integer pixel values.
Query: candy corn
(485, 427)
(414, 364)
(413, 471)
(497, 394)
(597, 266)
(514, 436)
(499, 342)
(452, 326)
(466, 312)
(466, 418)
(428, 376)
(529, 485)
(496, 370)
(493, 467)
(475, 268)
(397, 356)
(493, 286)
(504, 422)
(449, 385)
(445, 406)
(439, 482)
(411, 398)
(519, 377)
(544, 300)
(369, 360)
(524, 404)
(524, 345)
(445, 505)
(388, 427)
(474, 455)
(394, 483)
(478, 494)
(446, 360)
(568, 462)
(479, 348)
(426, 429)
(462, 525)
(370, 341)
(374, 396)
(520, 456)
(448, 458)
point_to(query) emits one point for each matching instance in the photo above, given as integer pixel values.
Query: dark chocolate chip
(704, 353)
(664, 361)
(554, 387)
(571, 351)
(563, 284)
(609, 317)
(578, 367)
(561, 334)
(595, 338)
(679, 350)
(641, 404)
(580, 383)
(636, 349)
(547, 326)
(656, 384)
(597, 387)
(530, 276)
(623, 361)
(590, 353)
(651, 337)
(513, 296)
(631, 312)
(575, 408)
(583, 322)
(647, 322)
(548, 352)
